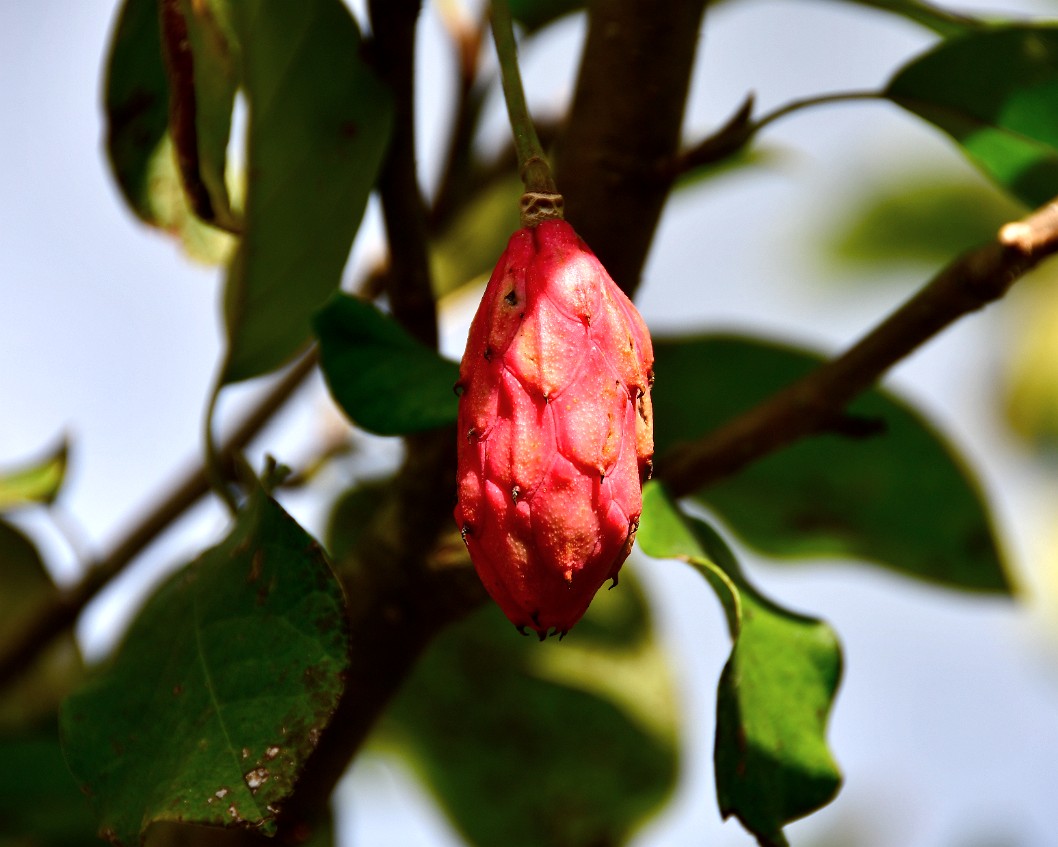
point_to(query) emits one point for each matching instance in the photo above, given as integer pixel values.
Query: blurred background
(945, 725)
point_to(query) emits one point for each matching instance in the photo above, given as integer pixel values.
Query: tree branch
(614, 163)
(408, 285)
(61, 611)
(815, 402)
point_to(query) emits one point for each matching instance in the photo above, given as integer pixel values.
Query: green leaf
(996, 93)
(36, 482)
(201, 63)
(776, 690)
(318, 128)
(901, 497)
(920, 219)
(536, 14)
(470, 246)
(941, 21)
(25, 587)
(221, 687)
(386, 381)
(138, 143)
(40, 803)
(530, 744)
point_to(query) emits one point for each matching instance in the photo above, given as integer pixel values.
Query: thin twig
(813, 403)
(63, 609)
(740, 129)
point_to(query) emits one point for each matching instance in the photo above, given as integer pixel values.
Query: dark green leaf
(319, 122)
(776, 690)
(351, 512)
(25, 587)
(221, 687)
(36, 482)
(996, 93)
(40, 803)
(535, 14)
(528, 744)
(901, 497)
(138, 143)
(386, 381)
(941, 21)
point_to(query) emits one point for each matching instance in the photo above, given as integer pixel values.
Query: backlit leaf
(220, 689)
(36, 482)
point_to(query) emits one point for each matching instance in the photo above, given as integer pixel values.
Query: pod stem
(541, 199)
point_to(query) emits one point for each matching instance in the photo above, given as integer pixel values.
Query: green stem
(213, 467)
(811, 102)
(533, 167)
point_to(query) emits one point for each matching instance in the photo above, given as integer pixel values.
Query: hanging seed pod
(555, 429)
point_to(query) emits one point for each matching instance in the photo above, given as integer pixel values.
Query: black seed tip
(459, 388)
(488, 354)
(510, 298)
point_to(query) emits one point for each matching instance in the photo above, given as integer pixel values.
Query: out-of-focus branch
(815, 403)
(61, 611)
(614, 163)
(453, 188)
(408, 285)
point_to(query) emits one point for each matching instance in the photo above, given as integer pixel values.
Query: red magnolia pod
(555, 429)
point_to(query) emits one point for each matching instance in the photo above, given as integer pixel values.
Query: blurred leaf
(351, 512)
(996, 93)
(37, 482)
(220, 689)
(469, 247)
(941, 21)
(202, 74)
(921, 220)
(136, 100)
(530, 744)
(24, 587)
(319, 123)
(1030, 385)
(776, 690)
(40, 803)
(386, 381)
(902, 498)
(535, 14)
(759, 155)
(138, 143)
